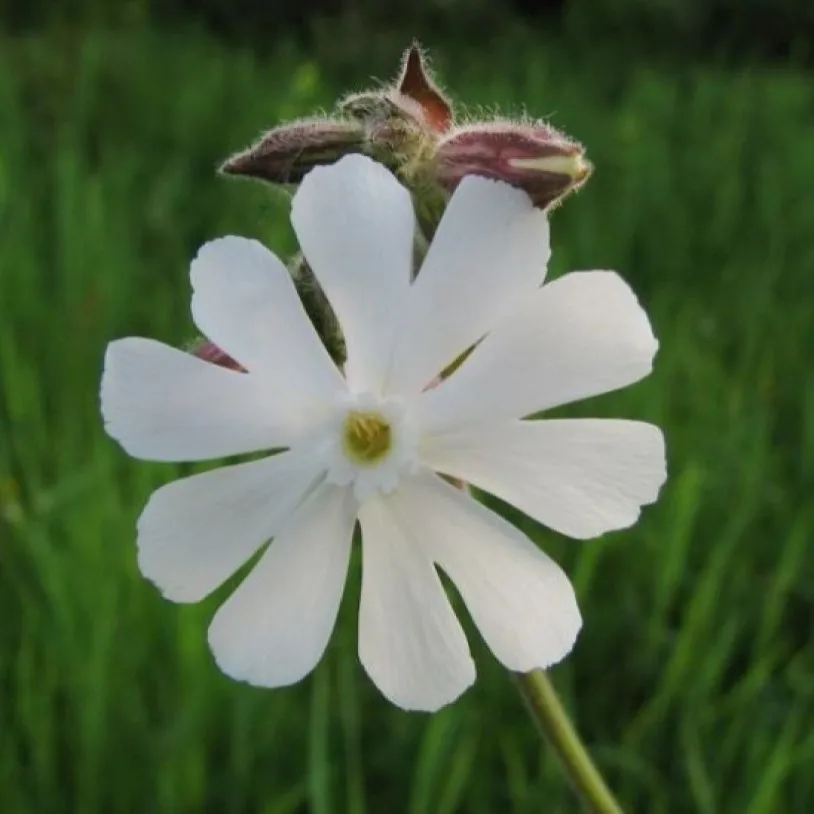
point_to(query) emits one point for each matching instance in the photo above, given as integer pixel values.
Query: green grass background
(693, 680)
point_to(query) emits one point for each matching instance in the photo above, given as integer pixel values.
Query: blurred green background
(693, 680)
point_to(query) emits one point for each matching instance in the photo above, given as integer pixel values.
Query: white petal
(582, 335)
(580, 477)
(410, 642)
(196, 532)
(355, 224)
(163, 404)
(274, 629)
(489, 253)
(520, 599)
(245, 301)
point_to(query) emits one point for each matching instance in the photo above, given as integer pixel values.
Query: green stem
(549, 713)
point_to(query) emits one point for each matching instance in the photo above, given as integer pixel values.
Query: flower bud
(533, 157)
(285, 154)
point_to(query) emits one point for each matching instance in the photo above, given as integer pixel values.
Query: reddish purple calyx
(210, 352)
(539, 160)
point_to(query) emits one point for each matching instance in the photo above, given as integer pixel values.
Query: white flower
(369, 444)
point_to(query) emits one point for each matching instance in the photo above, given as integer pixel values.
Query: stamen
(367, 437)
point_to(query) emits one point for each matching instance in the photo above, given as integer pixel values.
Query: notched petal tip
(618, 297)
(654, 448)
(485, 186)
(106, 384)
(115, 393)
(222, 255)
(112, 399)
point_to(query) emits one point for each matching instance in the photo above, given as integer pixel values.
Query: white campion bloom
(371, 443)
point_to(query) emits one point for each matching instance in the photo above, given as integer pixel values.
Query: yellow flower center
(367, 437)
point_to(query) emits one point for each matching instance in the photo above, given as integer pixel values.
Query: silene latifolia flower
(375, 443)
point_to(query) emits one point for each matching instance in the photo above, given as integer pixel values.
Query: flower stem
(550, 715)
